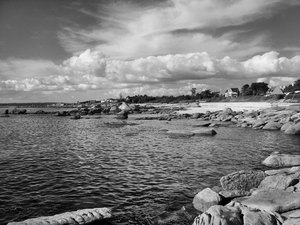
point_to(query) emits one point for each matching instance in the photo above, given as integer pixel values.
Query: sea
(50, 165)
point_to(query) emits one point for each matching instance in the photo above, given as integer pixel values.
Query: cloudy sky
(69, 50)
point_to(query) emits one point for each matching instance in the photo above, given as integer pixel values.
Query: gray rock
(123, 115)
(220, 215)
(282, 160)
(84, 216)
(286, 126)
(205, 199)
(258, 217)
(202, 124)
(273, 200)
(242, 180)
(204, 132)
(293, 129)
(286, 171)
(234, 193)
(279, 181)
(272, 126)
(259, 123)
(179, 133)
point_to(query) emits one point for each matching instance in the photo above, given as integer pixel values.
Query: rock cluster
(269, 197)
(84, 216)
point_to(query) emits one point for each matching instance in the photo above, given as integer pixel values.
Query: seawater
(50, 165)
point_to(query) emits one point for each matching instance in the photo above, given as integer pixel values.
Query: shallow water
(51, 164)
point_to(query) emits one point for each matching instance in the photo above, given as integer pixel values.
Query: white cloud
(126, 30)
(157, 75)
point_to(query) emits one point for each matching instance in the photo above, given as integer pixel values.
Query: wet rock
(293, 129)
(242, 180)
(273, 200)
(220, 215)
(205, 199)
(179, 133)
(84, 216)
(282, 160)
(204, 132)
(272, 126)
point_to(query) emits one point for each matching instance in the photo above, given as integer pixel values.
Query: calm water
(53, 164)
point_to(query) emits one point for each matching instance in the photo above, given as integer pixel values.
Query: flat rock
(273, 200)
(202, 124)
(83, 216)
(234, 193)
(179, 133)
(205, 199)
(282, 160)
(286, 171)
(259, 217)
(293, 221)
(220, 215)
(204, 132)
(242, 180)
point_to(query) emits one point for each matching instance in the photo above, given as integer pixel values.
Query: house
(275, 91)
(232, 92)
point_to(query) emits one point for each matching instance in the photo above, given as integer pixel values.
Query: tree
(193, 91)
(259, 88)
(244, 89)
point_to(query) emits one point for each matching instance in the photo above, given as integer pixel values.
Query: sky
(76, 50)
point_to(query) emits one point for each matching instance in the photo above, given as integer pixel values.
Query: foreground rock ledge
(83, 216)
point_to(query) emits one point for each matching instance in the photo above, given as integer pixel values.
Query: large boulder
(273, 200)
(259, 217)
(205, 199)
(286, 171)
(242, 180)
(204, 132)
(279, 181)
(84, 216)
(282, 160)
(220, 215)
(293, 129)
(292, 217)
(286, 126)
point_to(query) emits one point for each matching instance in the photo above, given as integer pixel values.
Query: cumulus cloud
(157, 75)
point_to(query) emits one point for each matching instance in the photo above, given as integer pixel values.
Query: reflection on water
(53, 164)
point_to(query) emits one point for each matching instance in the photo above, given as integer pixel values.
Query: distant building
(275, 91)
(232, 92)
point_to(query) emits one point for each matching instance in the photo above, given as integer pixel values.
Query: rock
(76, 117)
(258, 217)
(204, 132)
(286, 171)
(282, 160)
(273, 200)
(295, 117)
(63, 113)
(196, 115)
(234, 193)
(279, 181)
(179, 133)
(259, 123)
(125, 107)
(272, 126)
(114, 109)
(123, 115)
(242, 180)
(227, 111)
(220, 215)
(177, 217)
(286, 126)
(293, 129)
(84, 216)
(292, 214)
(292, 221)
(205, 199)
(202, 124)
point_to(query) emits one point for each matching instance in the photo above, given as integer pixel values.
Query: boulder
(285, 171)
(179, 133)
(282, 160)
(205, 199)
(273, 200)
(123, 115)
(272, 126)
(242, 180)
(259, 217)
(286, 126)
(114, 109)
(204, 132)
(279, 181)
(293, 129)
(295, 117)
(259, 123)
(124, 107)
(84, 216)
(220, 215)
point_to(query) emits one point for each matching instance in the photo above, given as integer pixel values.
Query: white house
(232, 92)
